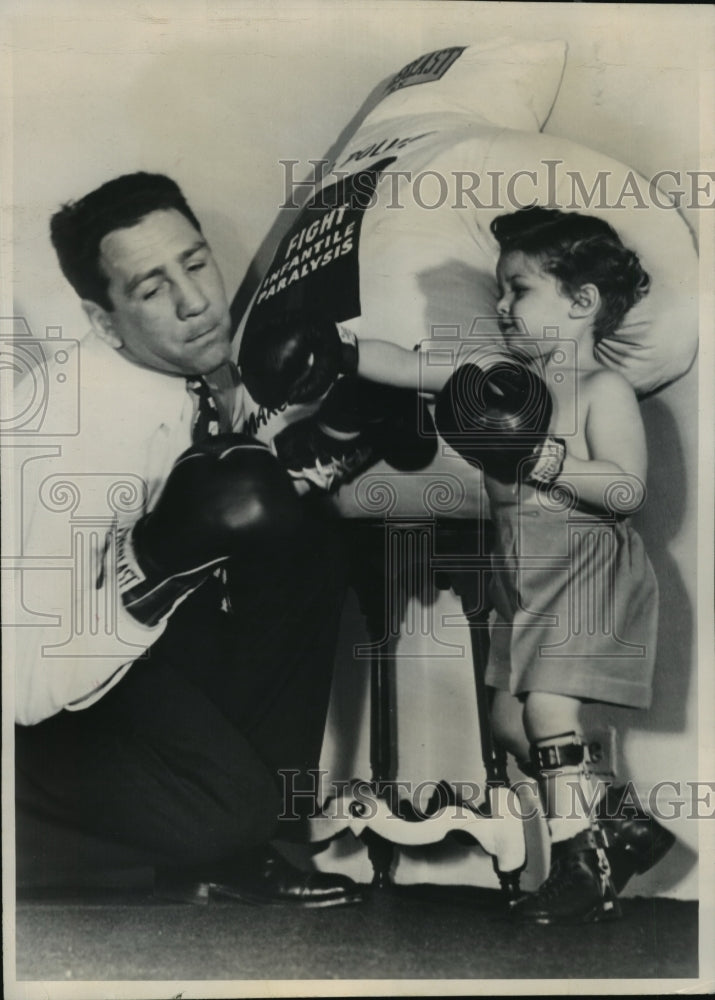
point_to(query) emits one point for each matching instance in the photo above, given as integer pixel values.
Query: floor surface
(419, 933)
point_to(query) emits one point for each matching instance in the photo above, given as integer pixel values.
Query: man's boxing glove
(397, 418)
(358, 423)
(310, 450)
(220, 499)
(498, 419)
(296, 358)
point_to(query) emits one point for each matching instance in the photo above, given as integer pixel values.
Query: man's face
(170, 309)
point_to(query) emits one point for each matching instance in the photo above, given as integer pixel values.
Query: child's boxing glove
(295, 359)
(498, 419)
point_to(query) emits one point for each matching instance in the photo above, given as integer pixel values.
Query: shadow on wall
(660, 522)
(455, 292)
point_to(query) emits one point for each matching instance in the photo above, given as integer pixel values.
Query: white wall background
(216, 95)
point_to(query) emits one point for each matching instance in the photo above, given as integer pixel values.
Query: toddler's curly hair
(578, 249)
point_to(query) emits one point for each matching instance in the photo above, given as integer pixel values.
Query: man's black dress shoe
(260, 876)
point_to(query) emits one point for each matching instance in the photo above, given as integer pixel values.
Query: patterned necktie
(206, 417)
(206, 424)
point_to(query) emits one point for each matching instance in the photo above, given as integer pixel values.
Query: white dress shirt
(71, 639)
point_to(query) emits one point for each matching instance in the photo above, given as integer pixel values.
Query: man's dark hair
(578, 249)
(79, 227)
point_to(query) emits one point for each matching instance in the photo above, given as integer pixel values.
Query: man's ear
(585, 302)
(102, 324)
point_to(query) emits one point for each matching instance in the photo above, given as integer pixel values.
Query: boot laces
(327, 474)
(565, 870)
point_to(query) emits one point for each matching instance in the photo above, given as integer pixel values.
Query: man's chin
(213, 357)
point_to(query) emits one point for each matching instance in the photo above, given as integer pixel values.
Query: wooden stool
(448, 553)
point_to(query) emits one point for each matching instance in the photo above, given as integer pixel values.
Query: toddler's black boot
(636, 841)
(578, 888)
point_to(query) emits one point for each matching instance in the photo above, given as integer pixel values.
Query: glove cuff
(150, 597)
(548, 462)
(349, 351)
(129, 573)
(308, 451)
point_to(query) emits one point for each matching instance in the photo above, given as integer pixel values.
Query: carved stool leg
(493, 756)
(380, 851)
(372, 586)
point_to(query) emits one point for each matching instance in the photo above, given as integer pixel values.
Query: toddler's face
(530, 300)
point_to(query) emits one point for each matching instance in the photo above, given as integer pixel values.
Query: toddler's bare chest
(570, 411)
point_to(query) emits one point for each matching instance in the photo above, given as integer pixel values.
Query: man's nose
(503, 305)
(190, 298)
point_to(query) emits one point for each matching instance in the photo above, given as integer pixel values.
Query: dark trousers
(181, 759)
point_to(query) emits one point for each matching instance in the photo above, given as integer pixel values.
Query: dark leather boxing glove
(398, 419)
(311, 451)
(359, 422)
(295, 359)
(498, 419)
(220, 499)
